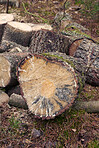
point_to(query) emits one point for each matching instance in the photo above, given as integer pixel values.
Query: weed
(14, 123)
(93, 144)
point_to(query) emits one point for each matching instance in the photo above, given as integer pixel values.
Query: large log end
(49, 87)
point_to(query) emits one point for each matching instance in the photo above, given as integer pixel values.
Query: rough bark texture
(17, 101)
(89, 53)
(12, 47)
(48, 86)
(17, 32)
(8, 65)
(48, 41)
(4, 18)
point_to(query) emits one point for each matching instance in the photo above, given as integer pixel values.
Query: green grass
(93, 144)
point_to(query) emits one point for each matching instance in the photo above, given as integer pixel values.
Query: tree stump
(4, 18)
(17, 32)
(48, 41)
(8, 64)
(49, 87)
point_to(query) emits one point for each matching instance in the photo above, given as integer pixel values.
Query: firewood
(88, 106)
(4, 18)
(4, 98)
(8, 46)
(89, 53)
(49, 87)
(17, 101)
(8, 64)
(48, 41)
(17, 32)
(74, 46)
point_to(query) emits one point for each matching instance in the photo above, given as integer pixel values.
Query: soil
(72, 129)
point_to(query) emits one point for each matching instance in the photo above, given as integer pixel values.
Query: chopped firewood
(89, 53)
(48, 86)
(48, 41)
(4, 18)
(8, 64)
(17, 32)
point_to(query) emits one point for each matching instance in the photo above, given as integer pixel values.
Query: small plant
(93, 144)
(14, 123)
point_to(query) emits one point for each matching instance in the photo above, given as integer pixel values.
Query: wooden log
(36, 27)
(8, 64)
(4, 18)
(4, 98)
(8, 46)
(90, 106)
(17, 101)
(49, 87)
(17, 32)
(86, 73)
(48, 41)
(89, 53)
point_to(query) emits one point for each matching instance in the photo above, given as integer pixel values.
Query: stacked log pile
(33, 58)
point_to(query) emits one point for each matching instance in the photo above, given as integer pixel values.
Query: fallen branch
(34, 15)
(90, 106)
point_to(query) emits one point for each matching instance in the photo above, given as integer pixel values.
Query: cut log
(8, 46)
(17, 101)
(36, 27)
(17, 32)
(49, 87)
(74, 46)
(8, 64)
(4, 18)
(89, 53)
(90, 106)
(48, 41)
(4, 98)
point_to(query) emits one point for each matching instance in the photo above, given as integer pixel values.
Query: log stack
(34, 57)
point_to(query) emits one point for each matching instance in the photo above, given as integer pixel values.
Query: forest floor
(72, 129)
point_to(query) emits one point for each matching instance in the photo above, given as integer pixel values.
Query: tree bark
(49, 41)
(8, 65)
(17, 32)
(89, 53)
(8, 46)
(4, 18)
(49, 87)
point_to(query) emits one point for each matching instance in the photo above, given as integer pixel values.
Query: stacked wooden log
(33, 59)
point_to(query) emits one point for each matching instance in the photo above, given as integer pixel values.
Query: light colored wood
(49, 87)
(4, 19)
(8, 65)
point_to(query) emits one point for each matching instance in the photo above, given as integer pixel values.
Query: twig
(34, 15)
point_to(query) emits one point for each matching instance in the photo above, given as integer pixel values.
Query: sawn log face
(49, 87)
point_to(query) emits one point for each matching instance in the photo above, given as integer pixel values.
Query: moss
(60, 58)
(74, 30)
